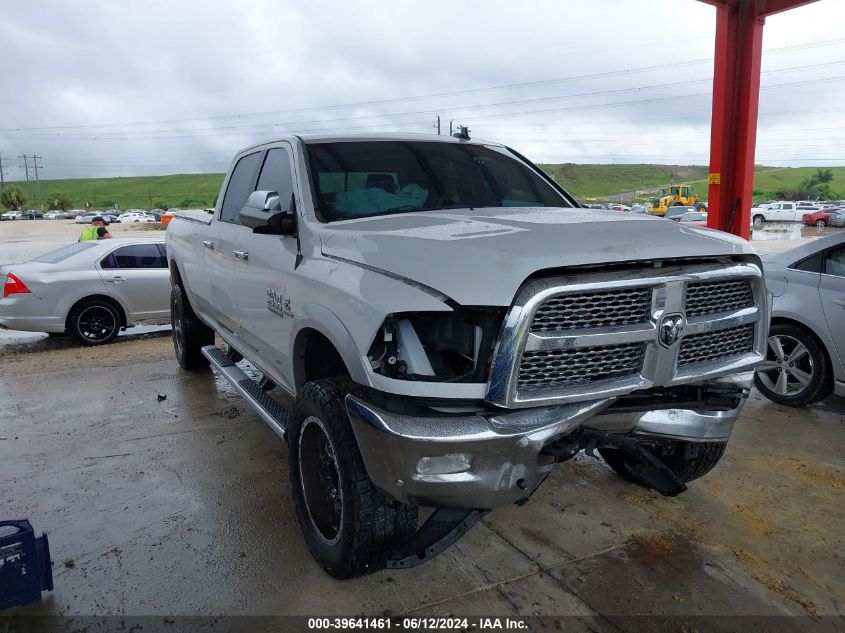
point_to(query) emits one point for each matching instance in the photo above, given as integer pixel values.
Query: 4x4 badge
(670, 330)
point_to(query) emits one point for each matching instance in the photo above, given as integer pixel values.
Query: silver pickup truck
(451, 324)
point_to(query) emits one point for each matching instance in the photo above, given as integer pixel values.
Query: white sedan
(90, 290)
(11, 215)
(134, 218)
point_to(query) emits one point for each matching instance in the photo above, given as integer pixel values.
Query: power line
(590, 76)
(165, 133)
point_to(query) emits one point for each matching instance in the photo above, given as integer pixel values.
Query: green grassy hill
(606, 180)
(598, 181)
(180, 190)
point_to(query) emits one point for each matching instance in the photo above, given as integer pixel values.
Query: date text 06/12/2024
(418, 624)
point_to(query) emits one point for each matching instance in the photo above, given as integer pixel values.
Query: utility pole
(450, 127)
(35, 160)
(437, 125)
(25, 165)
(2, 175)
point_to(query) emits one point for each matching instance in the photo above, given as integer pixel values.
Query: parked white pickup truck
(777, 212)
(452, 324)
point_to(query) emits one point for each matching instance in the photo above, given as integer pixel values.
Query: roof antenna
(462, 133)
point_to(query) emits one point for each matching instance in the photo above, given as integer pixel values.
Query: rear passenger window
(135, 256)
(240, 186)
(811, 264)
(276, 175)
(834, 262)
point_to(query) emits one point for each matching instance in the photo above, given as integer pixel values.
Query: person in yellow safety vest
(97, 231)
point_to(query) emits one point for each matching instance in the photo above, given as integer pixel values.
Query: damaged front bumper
(484, 460)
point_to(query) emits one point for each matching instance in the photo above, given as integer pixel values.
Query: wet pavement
(182, 506)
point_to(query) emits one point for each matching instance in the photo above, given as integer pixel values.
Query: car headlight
(437, 346)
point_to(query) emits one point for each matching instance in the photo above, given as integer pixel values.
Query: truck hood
(481, 256)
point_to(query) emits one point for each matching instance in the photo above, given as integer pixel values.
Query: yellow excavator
(675, 196)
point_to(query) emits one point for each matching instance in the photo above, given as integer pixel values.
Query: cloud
(192, 79)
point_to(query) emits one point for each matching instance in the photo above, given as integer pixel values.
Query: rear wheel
(190, 334)
(758, 220)
(796, 370)
(349, 525)
(820, 224)
(688, 460)
(95, 322)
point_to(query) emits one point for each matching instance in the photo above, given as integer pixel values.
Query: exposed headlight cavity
(437, 346)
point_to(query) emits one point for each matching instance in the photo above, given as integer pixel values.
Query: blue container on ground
(25, 569)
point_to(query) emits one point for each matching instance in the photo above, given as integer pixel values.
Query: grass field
(179, 190)
(598, 181)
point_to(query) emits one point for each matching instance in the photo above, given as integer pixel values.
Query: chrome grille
(713, 297)
(593, 309)
(701, 348)
(595, 335)
(569, 367)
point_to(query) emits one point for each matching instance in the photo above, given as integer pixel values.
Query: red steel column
(733, 135)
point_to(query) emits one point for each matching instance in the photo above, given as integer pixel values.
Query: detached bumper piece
(441, 530)
(25, 569)
(645, 468)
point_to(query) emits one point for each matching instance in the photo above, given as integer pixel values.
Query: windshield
(365, 178)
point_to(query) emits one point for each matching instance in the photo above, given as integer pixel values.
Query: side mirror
(263, 213)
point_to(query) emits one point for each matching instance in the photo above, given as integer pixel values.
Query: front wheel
(688, 460)
(796, 370)
(349, 525)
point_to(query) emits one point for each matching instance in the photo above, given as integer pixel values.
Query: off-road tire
(78, 319)
(190, 334)
(371, 524)
(821, 383)
(688, 460)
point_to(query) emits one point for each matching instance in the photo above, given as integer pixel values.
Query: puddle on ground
(15, 341)
(773, 231)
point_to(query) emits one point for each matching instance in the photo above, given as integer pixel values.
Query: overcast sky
(134, 88)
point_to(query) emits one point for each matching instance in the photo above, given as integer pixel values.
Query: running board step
(264, 404)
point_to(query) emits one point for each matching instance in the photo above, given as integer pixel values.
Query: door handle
(839, 302)
(116, 280)
(208, 244)
(241, 255)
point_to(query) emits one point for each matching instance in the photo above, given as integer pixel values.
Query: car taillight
(13, 286)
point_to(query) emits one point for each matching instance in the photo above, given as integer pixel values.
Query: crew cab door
(138, 277)
(832, 291)
(263, 272)
(789, 212)
(226, 238)
(774, 212)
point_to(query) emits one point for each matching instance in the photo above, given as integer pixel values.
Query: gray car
(837, 217)
(805, 359)
(90, 290)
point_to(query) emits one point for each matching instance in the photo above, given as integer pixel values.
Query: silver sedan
(90, 290)
(805, 361)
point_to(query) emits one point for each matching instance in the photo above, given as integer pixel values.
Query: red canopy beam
(736, 95)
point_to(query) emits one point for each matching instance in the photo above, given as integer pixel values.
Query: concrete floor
(183, 507)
